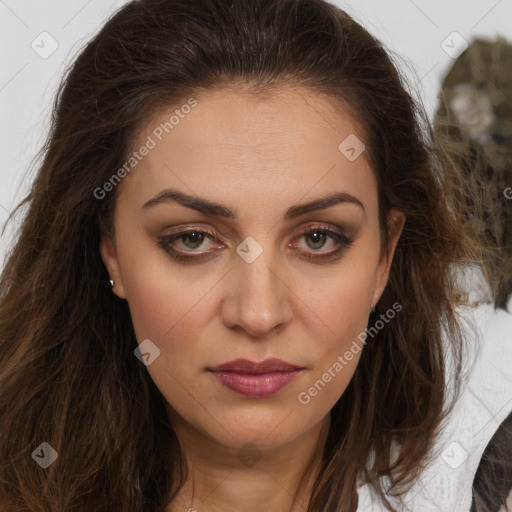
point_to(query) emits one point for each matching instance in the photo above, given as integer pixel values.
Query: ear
(396, 221)
(109, 257)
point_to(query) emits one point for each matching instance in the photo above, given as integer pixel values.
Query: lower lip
(255, 385)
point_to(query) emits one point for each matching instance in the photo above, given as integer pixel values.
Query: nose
(258, 298)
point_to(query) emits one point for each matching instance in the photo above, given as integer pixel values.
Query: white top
(485, 401)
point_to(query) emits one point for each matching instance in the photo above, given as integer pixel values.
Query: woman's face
(267, 269)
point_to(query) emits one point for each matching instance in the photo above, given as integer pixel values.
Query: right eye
(182, 245)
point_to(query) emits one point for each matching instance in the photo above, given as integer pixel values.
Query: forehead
(288, 143)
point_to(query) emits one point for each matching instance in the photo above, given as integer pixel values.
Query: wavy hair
(67, 371)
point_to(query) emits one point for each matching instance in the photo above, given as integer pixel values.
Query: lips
(246, 366)
(256, 380)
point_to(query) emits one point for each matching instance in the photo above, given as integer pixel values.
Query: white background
(415, 29)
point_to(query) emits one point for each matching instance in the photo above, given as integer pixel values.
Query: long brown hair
(68, 373)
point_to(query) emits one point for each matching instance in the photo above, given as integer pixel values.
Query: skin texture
(258, 157)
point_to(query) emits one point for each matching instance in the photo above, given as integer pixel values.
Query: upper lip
(246, 366)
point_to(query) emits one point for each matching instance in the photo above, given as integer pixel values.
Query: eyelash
(343, 242)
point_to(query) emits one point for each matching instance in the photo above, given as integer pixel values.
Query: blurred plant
(474, 120)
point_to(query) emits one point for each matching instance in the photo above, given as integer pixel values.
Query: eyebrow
(211, 208)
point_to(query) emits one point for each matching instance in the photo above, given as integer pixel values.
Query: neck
(227, 479)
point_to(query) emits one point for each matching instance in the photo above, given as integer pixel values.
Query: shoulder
(484, 403)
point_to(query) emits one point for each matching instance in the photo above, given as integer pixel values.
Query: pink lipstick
(255, 379)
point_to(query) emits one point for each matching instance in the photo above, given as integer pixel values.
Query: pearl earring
(112, 284)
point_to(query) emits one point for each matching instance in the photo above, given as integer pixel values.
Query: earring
(112, 284)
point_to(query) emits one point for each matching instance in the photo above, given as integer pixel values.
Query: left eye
(316, 238)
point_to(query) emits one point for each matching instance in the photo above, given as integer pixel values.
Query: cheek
(164, 298)
(343, 306)
(175, 320)
(169, 310)
(344, 300)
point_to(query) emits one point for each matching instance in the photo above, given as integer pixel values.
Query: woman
(278, 226)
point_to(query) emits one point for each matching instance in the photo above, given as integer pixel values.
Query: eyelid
(320, 226)
(192, 228)
(312, 226)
